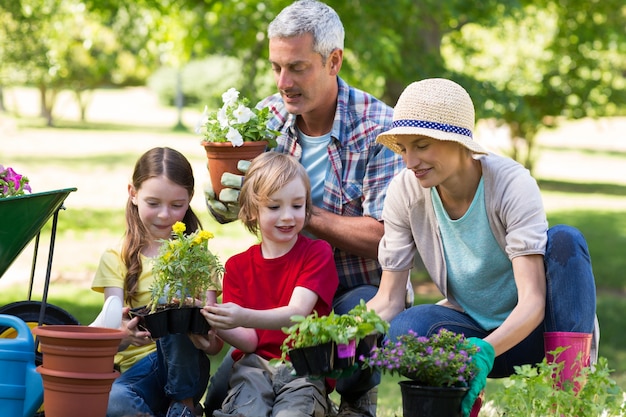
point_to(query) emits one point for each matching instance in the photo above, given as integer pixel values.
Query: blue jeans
(570, 304)
(351, 387)
(177, 370)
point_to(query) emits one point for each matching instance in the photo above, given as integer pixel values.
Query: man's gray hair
(314, 17)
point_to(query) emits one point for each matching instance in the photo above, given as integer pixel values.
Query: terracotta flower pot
(77, 368)
(223, 157)
(76, 394)
(78, 348)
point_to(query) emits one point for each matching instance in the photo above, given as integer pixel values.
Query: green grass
(81, 303)
(605, 232)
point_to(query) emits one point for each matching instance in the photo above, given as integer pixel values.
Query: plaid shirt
(360, 169)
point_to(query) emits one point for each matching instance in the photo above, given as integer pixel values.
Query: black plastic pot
(344, 356)
(319, 359)
(198, 324)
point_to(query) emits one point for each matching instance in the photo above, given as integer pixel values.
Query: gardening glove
(484, 361)
(225, 208)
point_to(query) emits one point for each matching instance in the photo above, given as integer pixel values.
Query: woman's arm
(530, 279)
(390, 298)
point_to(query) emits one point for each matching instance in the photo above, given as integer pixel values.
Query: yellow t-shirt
(110, 273)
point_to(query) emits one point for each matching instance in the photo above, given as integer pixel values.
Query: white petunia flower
(222, 118)
(234, 137)
(243, 114)
(230, 97)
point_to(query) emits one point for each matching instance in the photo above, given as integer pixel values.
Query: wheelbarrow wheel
(29, 312)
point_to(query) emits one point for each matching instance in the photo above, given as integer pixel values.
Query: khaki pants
(258, 389)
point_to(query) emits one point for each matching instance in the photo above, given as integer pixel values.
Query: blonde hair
(268, 173)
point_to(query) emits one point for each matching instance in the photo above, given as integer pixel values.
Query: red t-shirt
(261, 284)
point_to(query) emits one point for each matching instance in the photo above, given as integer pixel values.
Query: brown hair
(156, 162)
(268, 173)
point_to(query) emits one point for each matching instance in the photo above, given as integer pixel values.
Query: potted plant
(233, 133)
(184, 271)
(533, 391)
(326, 345)
(12, 183)
(438, 369)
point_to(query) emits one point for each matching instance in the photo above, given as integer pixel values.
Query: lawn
(582, 183)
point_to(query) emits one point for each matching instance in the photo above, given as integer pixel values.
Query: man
(331, 128)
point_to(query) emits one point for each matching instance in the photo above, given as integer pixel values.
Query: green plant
(366, 321)
(236, 122)
(443, 360)
(531, 392)
(12, 183)
(184, 267)
(314, 330)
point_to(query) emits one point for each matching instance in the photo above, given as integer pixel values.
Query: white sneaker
(111, 315)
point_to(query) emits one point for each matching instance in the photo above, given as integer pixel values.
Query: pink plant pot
(574, 358)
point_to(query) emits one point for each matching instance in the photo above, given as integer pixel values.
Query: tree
(60, 44)
(560, 60)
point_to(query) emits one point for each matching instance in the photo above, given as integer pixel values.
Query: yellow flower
(184, 265)
(205, 235)
(179, 228)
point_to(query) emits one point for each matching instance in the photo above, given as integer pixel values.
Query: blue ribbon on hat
(444, 127)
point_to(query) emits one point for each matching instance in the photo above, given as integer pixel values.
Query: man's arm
(356, 235)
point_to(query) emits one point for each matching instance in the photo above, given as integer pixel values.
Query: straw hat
(436, 108)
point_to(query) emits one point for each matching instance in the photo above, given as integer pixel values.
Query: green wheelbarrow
(21, 220)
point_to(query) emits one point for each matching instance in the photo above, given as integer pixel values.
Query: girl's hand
(210, 343)
(134, 334)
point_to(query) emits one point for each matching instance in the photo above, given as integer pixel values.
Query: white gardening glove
(225, 209)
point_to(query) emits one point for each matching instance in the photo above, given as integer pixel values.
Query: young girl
(286, 274)
(166, 377)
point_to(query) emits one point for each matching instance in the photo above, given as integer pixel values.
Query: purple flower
(12, 183)
(444, 359)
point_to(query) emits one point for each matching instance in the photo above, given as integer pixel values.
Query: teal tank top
(480, 275)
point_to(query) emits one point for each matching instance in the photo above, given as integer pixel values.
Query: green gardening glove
(225, 207)
(484, 361)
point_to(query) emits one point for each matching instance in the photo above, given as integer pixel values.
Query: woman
(478, 224)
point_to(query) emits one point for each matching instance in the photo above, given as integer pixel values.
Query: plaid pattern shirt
(360, 169)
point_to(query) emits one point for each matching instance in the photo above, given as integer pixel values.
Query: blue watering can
(21, 387)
